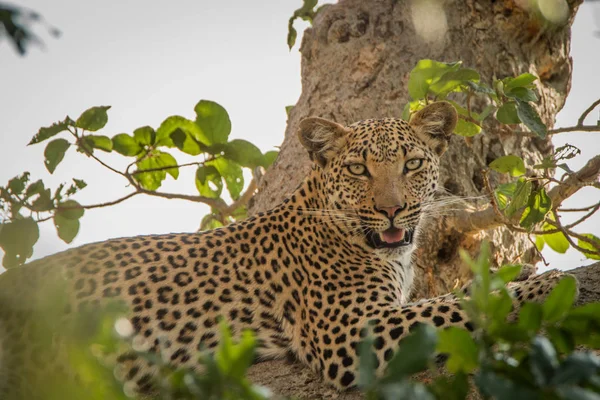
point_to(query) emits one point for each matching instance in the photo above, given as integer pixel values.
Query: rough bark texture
(292, 379)
(355, 65)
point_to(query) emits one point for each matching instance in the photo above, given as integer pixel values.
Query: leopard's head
(378, 173)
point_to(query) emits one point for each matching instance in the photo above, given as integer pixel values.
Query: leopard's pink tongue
(392, 235)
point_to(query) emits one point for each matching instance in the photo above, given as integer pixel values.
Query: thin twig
(143, 171)
(578, 209)
(587, 112)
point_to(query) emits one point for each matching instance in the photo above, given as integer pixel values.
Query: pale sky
(149, 60)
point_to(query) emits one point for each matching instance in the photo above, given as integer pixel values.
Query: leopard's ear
(322, 138)
(435, 124)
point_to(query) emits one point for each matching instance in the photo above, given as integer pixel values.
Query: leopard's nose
(391, 211)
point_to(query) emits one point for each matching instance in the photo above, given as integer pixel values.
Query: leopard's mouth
(390, 238)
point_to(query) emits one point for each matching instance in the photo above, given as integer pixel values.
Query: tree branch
(471, 222)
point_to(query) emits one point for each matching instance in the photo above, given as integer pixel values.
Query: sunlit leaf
(208, 181)
(144, 136)
(453, 80)
(588, 246)
(461, 349)
(510, 164)
(520, 197)
(99, 142)
(126, 145)
(54, 153)
(523, 80)
(244, 153)
(466, 128)
(213, 121)
(185, 142)
(164, 133)
(537, 208)
(231, 173)
(424, 74)
(93, 118)
(556, 241)
(269, 158)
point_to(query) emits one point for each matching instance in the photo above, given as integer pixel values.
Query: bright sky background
(149, 60)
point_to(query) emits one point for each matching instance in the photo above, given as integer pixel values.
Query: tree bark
(355, 64)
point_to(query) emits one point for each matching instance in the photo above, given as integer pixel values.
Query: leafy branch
(525, 205)
(24, 204)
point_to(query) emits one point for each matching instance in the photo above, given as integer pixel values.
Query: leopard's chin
(390, 238)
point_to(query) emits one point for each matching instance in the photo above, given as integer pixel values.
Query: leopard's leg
(332, 347)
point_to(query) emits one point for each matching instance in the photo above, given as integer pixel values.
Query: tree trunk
(355, 64)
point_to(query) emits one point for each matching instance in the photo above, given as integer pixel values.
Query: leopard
(306, 277)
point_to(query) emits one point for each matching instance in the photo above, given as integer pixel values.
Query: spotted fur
(306, 276)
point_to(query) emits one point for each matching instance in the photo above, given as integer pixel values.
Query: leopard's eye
(413, 164)
(357, 169)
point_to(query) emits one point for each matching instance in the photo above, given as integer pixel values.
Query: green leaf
(461, 349)
(538, 207)
(126, 145)
(209, 222)
(510, 164)
(185, 142)
(177, 123)
(560, 300)
(425, 73)
(508, 273)
(504, 192)
(561, 338)
(530, 318)
(99, 142)
(543, 360)
(507, 114)
(576, 368)
(501, 388)
(531, 119)
(522, 93)
(577, 393)
(244, 153)
(70, 209)
(269, 158)
(48, 132)
(466, 128)
(288, 109)
(208, 181)
(307, 13)
(17, 184)
(149, 180)
(556, 241)
(144, 136)
(54, 153)
(231, 173)
(539, 242)
(451, 387)
(17, 239)
(43, 202)
(34, 188)
(367, 362)
(167, 160)
(213, 121)
(414, 353)
(453, 80)
(79, 183)
(480, 88)
(66, 228)
(588, 246)
(523, 80)
(93, 118)
(520, 198)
